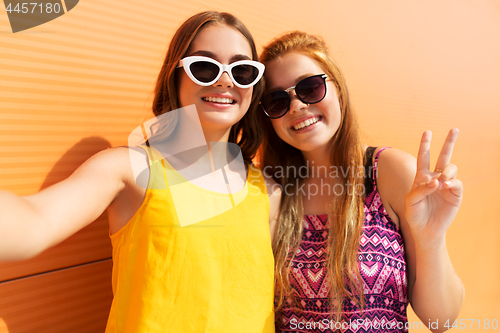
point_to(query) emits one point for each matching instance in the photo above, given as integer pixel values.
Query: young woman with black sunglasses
(186, 257)
(361, 232)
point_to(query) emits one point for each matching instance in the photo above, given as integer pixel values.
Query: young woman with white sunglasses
(212, 274)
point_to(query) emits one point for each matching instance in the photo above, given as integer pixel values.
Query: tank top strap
(157, 171)
(367, 163)
(153, 154)
(375, 166)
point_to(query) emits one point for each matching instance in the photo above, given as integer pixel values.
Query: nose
(224, 81)
(295, 103)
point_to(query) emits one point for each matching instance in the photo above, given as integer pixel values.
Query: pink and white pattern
(381, 260)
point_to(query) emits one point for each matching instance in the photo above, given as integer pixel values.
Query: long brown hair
(247, 132)
(346, 217)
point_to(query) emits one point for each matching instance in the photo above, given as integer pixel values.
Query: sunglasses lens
(204, 71)
(245, 74)
(311, 90)
(276, 103)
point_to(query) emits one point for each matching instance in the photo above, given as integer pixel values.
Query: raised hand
(433, 201)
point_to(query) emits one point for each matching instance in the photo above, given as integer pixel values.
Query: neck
(321, 182)
(318, 162)
(216, 135)
(190, 142)
(217, 153)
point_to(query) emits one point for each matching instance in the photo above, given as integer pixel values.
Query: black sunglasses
(310, 90)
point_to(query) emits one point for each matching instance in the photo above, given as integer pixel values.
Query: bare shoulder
(115, 159)
(395, 165)
(136, 164)
(105, 175)
(119, 163)
(395, 174)
(118, 157)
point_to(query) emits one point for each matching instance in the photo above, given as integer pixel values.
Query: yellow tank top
(215, 275)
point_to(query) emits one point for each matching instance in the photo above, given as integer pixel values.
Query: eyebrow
(212, 55)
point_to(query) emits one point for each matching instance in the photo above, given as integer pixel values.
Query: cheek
(185, 90)
(246, 96)
(278, 125)
(332, 104)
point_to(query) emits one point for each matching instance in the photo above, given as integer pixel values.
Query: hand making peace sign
(433, 201)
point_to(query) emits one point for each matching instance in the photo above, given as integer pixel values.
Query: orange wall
(82, 82)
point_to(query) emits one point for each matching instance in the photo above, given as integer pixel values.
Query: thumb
(420, 191)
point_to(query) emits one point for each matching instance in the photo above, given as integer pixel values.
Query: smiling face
(222, 104)
(307, 127)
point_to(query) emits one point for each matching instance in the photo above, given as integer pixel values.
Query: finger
(455, 185)
(456, 188)
(420, 191)
(424, 152)
(444, 157)
(450, 172)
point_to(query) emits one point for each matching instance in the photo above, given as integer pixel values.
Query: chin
(217, 123)
(310, 146)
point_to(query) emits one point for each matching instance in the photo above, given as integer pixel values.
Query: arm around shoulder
(31, 224)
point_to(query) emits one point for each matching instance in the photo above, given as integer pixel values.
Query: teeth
(221, 100)
(306, 123)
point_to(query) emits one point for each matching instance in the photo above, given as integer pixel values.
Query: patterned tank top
(381, 260)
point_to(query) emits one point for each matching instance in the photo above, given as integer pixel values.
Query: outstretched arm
(31, 224)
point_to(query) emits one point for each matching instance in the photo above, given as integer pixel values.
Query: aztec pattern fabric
(382, 266)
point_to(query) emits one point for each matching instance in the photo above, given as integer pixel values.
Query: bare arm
(31, 224)
(435, 291)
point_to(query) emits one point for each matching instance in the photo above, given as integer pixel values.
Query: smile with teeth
(306, 123)
(221, 100)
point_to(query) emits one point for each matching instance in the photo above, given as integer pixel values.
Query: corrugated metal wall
(81, 83)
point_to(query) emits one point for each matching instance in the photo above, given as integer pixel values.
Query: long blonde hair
(346, 217)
